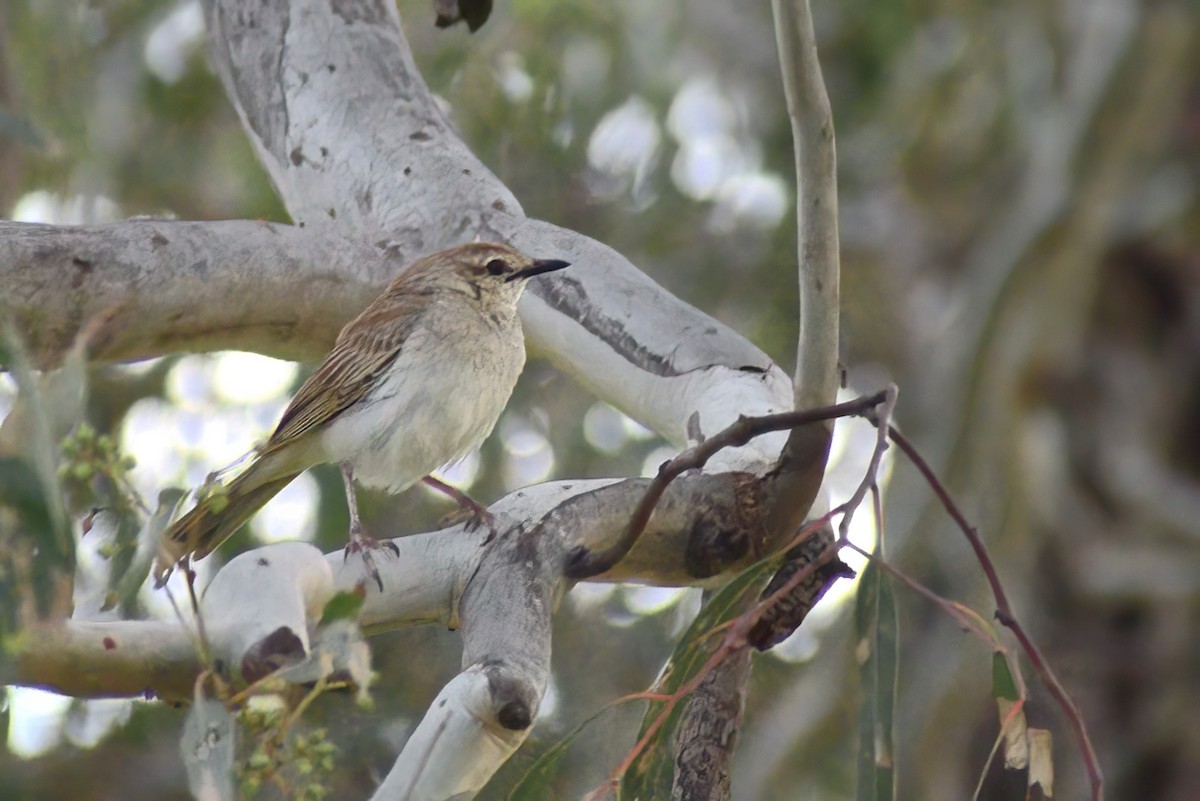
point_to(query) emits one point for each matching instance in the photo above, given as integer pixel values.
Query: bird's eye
(496, 267)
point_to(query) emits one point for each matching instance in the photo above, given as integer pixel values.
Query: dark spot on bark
(332, 213)
(278, 649)
(466, 172)
(579, 563)
(331, 67)
(83, 269)
(752, 368)
(158, 240)
(297, 156)
(512, 697)
(441, 703)
(514, 716)
(109, 643)
(324, 151)
(262, 562)
(301, 225)
(498, 205)
(788, 612)
(473, 12)
(526, 548)
(366, 200)
(303, 78)
(710, 331)
(408, 170)
(714, 543)
(420, 136)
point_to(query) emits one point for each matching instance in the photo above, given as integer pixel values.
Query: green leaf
(21, 491)
(651, 773)
(540, 778)
(1003, 684)
(343, 606)
(877, 627)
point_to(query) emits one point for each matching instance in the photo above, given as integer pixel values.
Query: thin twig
(1006, 617)
(881, 415)
(965, 616)
(582, 563)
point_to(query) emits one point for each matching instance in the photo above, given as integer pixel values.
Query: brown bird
(417, 380)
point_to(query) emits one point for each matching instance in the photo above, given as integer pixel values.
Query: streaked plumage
(417, 380)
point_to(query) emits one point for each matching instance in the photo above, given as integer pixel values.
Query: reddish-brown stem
(1006, 617)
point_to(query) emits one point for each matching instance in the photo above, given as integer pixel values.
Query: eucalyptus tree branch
(798, 476)
(817, 372)
(438, 577)
(582, 563)
(186, 286)
(357, 147)
(352, 137)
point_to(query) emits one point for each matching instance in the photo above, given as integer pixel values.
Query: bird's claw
(363, 545)
(471, 519)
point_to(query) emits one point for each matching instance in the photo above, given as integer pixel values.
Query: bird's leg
(478, 512)
(358, 541)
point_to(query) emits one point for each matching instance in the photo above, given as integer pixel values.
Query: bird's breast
(435, 403)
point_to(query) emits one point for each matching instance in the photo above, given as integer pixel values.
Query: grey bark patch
(568, 296)
(372, 13)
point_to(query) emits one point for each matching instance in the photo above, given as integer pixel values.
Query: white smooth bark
(186, 286)
(373, 175)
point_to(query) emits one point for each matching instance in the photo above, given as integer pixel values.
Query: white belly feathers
(427, 412)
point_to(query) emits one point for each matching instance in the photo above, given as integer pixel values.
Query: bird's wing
(364, 349)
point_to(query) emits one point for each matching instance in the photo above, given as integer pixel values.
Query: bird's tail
(216, 517)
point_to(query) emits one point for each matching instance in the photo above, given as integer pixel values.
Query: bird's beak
(537, 268)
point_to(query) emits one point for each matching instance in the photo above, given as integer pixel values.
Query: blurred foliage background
(1021, 254)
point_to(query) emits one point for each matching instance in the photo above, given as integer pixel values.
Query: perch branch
(582, 564)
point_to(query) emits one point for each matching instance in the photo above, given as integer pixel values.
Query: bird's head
(490, 272)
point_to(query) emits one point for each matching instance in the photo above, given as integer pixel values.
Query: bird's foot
(472, 516)
(470, 511)
(365, 546)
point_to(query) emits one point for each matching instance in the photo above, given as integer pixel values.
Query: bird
(416, 381)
